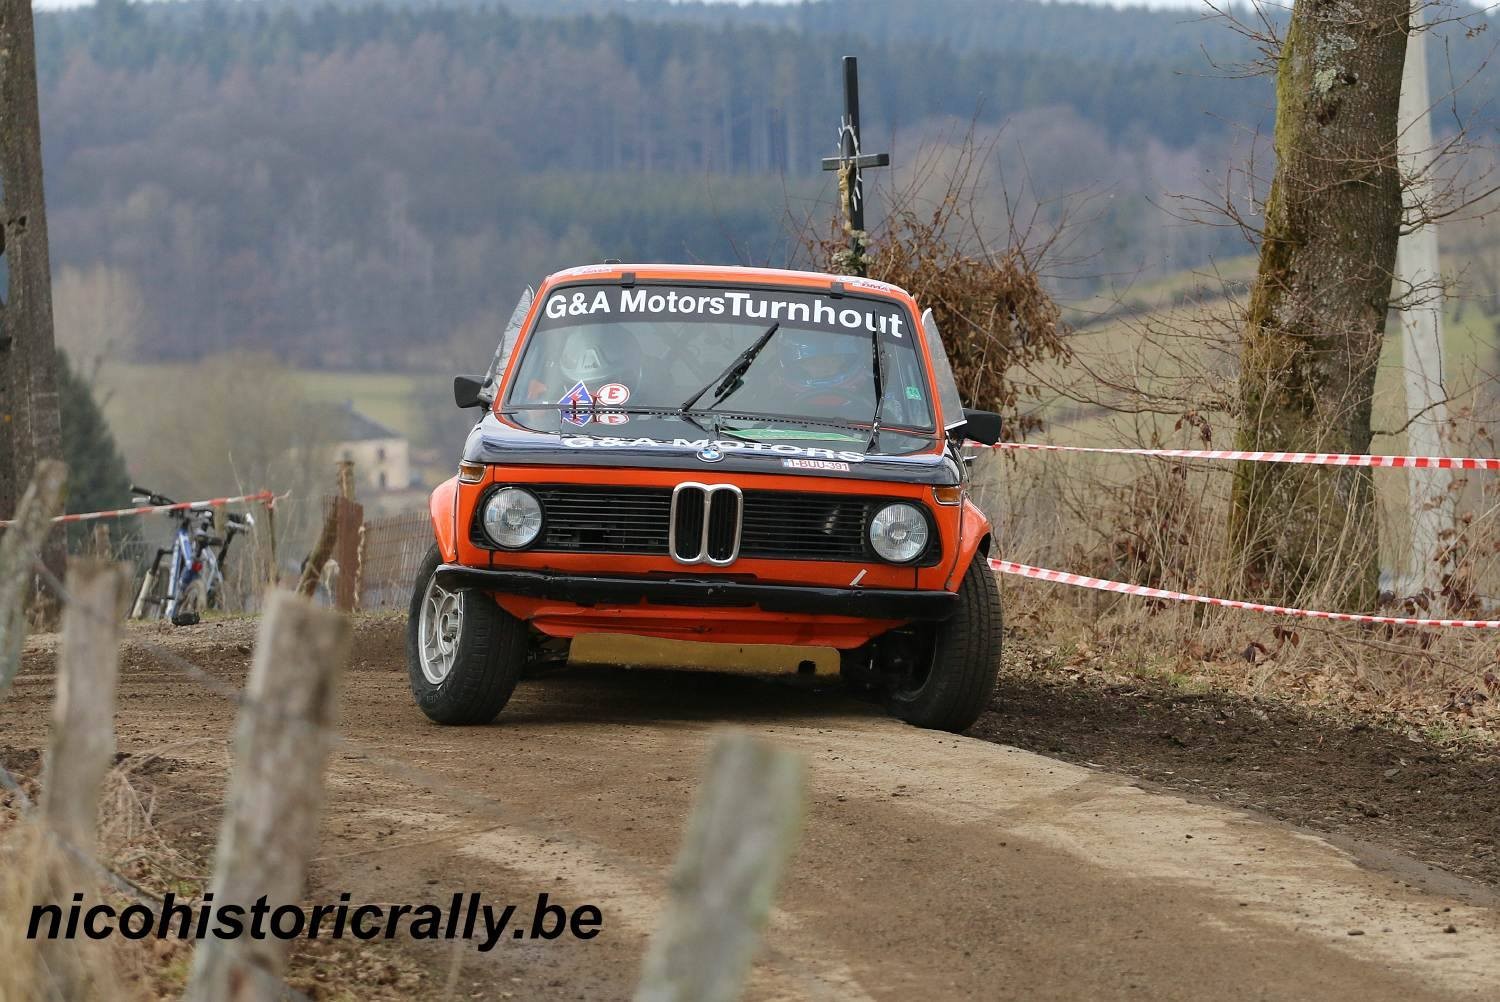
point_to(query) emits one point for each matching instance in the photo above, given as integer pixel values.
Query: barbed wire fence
(738, 840)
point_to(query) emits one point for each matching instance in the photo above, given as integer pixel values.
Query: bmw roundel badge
(710, 453)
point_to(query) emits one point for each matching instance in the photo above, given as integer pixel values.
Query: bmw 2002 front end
(729, 455)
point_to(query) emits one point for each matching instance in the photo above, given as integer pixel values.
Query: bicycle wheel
(151, 599)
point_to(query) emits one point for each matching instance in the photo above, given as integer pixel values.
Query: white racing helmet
(601, 354)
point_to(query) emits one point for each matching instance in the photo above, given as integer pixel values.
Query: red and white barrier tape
(90, 516)
(1120, 587)
(1306, 458)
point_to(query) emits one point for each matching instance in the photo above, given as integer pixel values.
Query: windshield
(763, 364)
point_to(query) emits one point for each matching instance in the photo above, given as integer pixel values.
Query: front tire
(948, 690)
(464, 654)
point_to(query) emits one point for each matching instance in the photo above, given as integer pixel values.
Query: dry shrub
(20, 853)
(1157, 529)
(1161, 523)
(131, 844)
(27, 857)
(993, 311)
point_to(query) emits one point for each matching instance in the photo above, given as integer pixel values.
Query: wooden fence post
(738, 840)
(273, 578)
(275, 793)
(19, 547)
(323, 548)
(359, 556)
(80, 751)
(103, 547)
(350, 517)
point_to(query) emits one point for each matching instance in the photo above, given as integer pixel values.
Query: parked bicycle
(193, 579)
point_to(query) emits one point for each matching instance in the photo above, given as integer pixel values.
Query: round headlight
(512, 518)
(899, 533)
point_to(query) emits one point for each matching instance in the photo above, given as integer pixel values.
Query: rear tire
(951, 689)
(464, 654)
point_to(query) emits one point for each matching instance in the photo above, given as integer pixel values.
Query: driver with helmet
(593, 355)
(827, 371)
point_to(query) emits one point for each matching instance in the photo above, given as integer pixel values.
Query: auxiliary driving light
(898, 532)
(512, 518)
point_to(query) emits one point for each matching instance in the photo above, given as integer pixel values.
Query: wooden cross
(850, 163)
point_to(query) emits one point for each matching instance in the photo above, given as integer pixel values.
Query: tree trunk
(1318, 308)
(30, 422)
(30, 429)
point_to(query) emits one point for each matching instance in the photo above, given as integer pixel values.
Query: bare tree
(99, 313)
(1318, 306)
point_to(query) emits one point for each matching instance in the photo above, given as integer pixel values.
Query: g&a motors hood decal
(722, 447)
(502, 442)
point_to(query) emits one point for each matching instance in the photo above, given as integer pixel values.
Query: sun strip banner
(1306, 458)
(1122, 588)
(90, 516)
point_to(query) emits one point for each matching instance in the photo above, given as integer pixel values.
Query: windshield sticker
(578, 396)
(581, 413)
(613, 394)
(727, 446)
(807, 310)
(913, 393)
(860, 282)
(826, 465)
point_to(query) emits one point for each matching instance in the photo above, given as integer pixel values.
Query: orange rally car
(733, 455)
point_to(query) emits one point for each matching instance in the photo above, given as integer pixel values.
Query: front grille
(724, 526)
(705, 525)
(778, 525)
(687, 533)
(588, 518)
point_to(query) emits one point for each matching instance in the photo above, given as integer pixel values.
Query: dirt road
(931, 866)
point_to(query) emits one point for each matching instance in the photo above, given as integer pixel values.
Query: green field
(1176, 343)
(1159, 334)
(386, 397)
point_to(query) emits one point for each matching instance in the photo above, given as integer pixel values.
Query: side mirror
(979, 426)
(466, 391)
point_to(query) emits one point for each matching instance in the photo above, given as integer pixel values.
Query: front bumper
(588, 590)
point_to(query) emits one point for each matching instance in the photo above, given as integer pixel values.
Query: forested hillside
(363, 184)
(1072, 30)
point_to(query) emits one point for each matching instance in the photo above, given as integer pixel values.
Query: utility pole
(850, 164)
(1418, 278)
(29, 421)
(29, 428)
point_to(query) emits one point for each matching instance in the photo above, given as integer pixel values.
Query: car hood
(501, 442)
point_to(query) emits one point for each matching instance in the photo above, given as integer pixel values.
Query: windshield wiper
(730, 379)
(879, 394)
